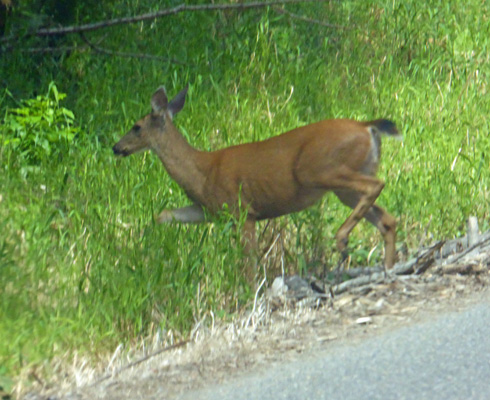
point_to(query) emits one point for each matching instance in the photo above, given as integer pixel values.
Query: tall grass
(82, 263)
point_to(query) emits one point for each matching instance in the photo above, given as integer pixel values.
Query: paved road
(447, 358)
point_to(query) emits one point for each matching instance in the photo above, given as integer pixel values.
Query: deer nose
(118, 151)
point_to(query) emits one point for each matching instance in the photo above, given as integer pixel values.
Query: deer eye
(136, 129)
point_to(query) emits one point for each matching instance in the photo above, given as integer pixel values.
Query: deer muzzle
(120, 151)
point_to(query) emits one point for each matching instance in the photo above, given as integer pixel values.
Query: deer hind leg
(377, 216)
(189, 214)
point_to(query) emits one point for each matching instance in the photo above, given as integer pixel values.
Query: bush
(38, 129)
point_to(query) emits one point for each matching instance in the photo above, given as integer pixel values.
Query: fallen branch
(426, 258)
(483, 240)
(423, 260)
(461, 269)
(377, 277)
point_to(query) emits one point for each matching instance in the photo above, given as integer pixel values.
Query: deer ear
(178, 101)
(159, 101)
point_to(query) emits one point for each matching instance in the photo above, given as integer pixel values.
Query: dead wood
(468, 255)
(461, 269)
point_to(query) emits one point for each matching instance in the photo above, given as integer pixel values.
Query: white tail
(277, 176)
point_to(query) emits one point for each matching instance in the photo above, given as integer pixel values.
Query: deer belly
(282, 204)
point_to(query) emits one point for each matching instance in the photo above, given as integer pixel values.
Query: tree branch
(108, 52)
(43, 50)
(154, 15)
(310, 20)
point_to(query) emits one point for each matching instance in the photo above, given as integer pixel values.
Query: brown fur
(277, 176)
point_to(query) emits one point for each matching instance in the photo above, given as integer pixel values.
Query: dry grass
(267, 335)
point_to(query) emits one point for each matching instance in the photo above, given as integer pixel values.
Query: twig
(426, 232)
(61, 49)
(154, 15)
(108, 52)
(310, 20)
(425, 260)
(139, 361)
(264, 257)
(64, 49)
(252, 313)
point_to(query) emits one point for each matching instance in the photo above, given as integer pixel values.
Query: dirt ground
(275, 331)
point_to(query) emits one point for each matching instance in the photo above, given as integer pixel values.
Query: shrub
(39, 128)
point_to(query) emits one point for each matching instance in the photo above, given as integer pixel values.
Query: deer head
(144, 131)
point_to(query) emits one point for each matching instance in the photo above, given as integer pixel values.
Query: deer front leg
(189, 214)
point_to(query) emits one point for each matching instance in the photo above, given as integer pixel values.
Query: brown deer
(277, 176)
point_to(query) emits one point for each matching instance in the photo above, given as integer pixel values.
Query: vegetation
(82, 263)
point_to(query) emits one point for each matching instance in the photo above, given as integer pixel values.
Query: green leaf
(39, 127)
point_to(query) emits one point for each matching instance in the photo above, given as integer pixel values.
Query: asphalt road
(444, 358)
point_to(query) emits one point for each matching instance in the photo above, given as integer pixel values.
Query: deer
(274, 177)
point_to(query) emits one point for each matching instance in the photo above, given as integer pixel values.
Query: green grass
(82, 263)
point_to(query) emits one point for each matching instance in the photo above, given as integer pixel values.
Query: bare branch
(108, 52)
(63, 49)
(98, 49)
(158, 14)
(310, 20)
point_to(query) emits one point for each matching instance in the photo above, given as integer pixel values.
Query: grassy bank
(83, 265)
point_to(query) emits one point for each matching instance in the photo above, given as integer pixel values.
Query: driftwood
(466, 255)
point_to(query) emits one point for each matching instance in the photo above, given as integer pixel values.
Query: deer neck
(185, 164)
